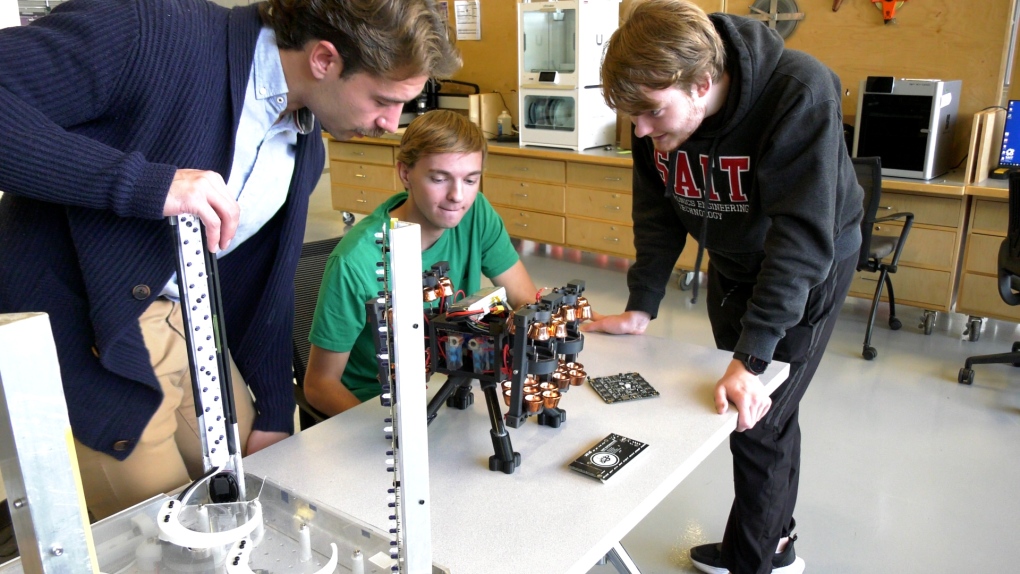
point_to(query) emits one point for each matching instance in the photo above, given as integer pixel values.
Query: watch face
(756, 365)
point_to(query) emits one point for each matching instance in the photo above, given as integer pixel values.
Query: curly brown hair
(392, 38)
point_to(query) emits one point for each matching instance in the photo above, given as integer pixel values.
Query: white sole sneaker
(796, 568)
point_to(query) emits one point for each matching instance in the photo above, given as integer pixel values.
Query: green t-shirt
(479, 244)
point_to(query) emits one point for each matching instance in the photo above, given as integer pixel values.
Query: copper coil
(532, 403)
(530, 379)
(562, 380)
(568, 313)
(577, 377)
(429, 294)
(557, 328)
(574, 366)
(507, 385)
(506, 396)
(531, 390)
(584, 309)
(548, 386)
(445, 288)
(538, 332)
(550, 399)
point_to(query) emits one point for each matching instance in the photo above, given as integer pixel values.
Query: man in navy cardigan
(118, 113)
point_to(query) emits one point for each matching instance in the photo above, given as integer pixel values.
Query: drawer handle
(613, 239)
(519, 224)
(612, 207)
(886, 207)
(357, 153)
(524, 195)
(520, 169)
(361, 201)
(361, 175)
(607, 178)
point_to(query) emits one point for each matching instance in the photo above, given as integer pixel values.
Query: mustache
(372, 133)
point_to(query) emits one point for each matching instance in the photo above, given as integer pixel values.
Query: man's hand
(626, 323)
(259, 440)
(747, 394)
(203, 194)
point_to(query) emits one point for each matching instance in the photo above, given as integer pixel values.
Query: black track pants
(766, 458)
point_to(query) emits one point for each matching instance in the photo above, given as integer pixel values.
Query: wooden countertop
(991, 188)
(951, 183)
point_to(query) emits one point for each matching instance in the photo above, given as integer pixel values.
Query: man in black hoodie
(779, 215)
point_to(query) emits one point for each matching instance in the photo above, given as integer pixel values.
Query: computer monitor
(1009, 153)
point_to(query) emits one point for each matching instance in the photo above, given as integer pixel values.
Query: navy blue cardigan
(100, 103)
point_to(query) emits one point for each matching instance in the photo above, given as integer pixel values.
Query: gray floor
(903, 471)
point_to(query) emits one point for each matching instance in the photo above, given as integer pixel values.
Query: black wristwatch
(753, 364)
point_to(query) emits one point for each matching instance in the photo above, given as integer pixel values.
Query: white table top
(544, 517)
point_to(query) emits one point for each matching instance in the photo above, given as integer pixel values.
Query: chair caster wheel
(348, 218)
(973, 330)
(966, 376)
(686, 281)
(869, 353)
(1016, 348)
(895, 324)
(928, 322)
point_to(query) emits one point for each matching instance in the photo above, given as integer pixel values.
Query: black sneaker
(708, 559)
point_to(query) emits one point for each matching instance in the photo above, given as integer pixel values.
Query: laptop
(1009, 151)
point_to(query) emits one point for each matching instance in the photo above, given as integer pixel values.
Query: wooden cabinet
(363, 175)
(528, 193)
(979, 289)
(927, 269)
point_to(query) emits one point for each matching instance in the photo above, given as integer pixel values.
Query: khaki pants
(169, 453)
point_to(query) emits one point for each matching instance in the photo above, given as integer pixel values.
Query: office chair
(306, 293)
(875, 248)
(1009, 282)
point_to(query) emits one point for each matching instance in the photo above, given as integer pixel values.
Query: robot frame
(527, 355)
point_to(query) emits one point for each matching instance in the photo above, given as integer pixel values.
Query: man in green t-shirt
(440, 164)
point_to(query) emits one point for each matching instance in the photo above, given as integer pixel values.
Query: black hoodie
(784, 204)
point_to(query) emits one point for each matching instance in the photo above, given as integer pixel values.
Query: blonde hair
(440, 131)
(664, 44)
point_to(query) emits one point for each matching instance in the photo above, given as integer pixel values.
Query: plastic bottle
(505, 124)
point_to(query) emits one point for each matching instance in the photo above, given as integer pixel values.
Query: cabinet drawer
(923, 287)
(925, 247)
(979, 295)
(357, 200)
(983, 253)
(364, 175)
(599, 204)
(526, 168)
(361, 153)
(943, 211)
(991, 216)
(524, 194)
(540, 227)
(606, 177)
(600, 237)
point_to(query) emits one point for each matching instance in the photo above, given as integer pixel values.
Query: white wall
(9, 17)
(9, 13)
